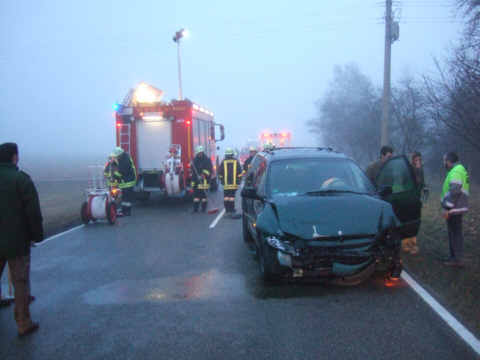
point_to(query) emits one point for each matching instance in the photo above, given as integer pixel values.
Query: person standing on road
(455, 194)
(372, 170)
(248, 161)
(409, 245)
(127, 177)
(109, 170)
(202, 172)
(21, 222)
(230, 174)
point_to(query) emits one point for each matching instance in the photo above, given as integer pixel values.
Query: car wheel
(247, 236)
(84, 214)
(111, 212)
(271, 268)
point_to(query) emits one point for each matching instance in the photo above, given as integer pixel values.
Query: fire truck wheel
(111, 212)
(84, 214)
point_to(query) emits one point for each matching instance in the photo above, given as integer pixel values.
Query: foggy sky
(258, 65)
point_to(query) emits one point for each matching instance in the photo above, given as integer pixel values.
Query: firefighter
(202, 172)
(109, 170)
(230, 174)
(248, 161)
(127, 178)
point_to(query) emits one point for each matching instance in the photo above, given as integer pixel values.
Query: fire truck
(161, 139)
(277, 140)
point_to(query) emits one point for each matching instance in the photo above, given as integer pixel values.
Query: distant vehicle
(311, 212)
(161, 139)
(276, 139)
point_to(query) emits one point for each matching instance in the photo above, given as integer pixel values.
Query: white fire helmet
(199, 149)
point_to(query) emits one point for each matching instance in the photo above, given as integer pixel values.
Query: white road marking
(58, 235)
(217, 219)
(439, 309)
(444, 314)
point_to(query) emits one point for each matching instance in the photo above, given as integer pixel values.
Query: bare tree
(411, 128)
(349, 115)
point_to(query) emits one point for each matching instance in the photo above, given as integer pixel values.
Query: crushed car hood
(347, 215)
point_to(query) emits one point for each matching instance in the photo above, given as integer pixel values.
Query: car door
(406, 193)
(255, 178)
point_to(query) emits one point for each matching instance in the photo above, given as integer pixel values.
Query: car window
(300, 176)
(398, 174)
(259, 177)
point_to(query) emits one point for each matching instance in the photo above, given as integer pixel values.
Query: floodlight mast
(178, 35)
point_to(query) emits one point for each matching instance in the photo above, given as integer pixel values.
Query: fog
(259, 66)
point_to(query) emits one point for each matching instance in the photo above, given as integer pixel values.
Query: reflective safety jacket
(230, 173)
(125, 173)
(204, 168)
(247, 163)
(456, 189)
(108, 172)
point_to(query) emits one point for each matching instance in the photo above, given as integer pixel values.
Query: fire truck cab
(161, 139)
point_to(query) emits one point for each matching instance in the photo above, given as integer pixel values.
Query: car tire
(247, 236)
(270, 267)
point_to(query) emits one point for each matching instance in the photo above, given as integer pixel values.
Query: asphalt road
(162, 284)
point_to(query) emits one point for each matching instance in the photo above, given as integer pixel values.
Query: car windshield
(317, 177)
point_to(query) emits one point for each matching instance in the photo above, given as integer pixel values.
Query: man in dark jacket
(20, 224)
(248, 161)
(127, 178)
(230, 174)
(202, 173)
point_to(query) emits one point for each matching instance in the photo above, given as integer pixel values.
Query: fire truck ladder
(125, 137)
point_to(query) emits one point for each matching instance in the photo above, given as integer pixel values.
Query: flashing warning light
(188, 122)
(118, 124)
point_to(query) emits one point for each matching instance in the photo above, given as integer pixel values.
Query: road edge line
(58, 235)
(461, 330)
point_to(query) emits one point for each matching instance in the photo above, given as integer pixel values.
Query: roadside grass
(458, 289)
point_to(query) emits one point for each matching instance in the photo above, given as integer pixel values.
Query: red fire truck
(161, 139)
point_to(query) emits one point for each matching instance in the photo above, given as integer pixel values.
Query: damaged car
(313, 213)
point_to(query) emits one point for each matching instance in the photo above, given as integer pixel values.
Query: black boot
(204, 206)
(232, 206)
(195, 206)
(225, 204)
(123, 209)
(128, 210)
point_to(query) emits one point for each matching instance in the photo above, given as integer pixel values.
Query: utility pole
(386, 74)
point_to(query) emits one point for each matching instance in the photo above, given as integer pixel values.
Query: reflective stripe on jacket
(125, 173)
(204, 167)
(456, 189)
(230, 173)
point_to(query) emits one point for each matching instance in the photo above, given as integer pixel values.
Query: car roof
(301, 153)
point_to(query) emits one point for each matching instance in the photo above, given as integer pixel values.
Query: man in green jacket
(455, 194)
(20, 224)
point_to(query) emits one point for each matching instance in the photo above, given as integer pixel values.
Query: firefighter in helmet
(127, 178)
(202, 172)
(230, 174)
(268, 146)
(248, 161)
(109, 170)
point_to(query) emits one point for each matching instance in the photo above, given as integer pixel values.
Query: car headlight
(280, 245)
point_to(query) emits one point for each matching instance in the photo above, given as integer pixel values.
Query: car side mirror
(385, 190)
(249, 192)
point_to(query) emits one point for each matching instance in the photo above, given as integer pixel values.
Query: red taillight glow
(188, 122)
(118, 124)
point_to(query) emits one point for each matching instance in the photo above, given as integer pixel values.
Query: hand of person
(446, 215)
